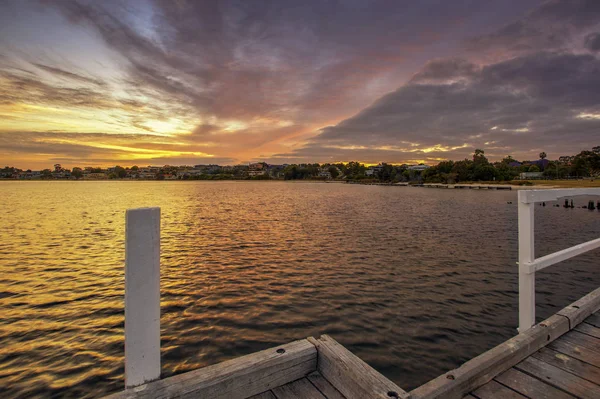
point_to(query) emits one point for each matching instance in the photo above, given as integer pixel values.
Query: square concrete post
(142, 296)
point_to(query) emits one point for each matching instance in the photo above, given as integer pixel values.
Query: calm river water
(415, 281)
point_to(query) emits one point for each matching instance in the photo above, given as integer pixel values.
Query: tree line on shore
(478, 168)
(584, 164)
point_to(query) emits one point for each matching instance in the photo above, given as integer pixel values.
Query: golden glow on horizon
(134, 152)
(519, 130)
(441, 148)
(234, 126)
(588, 116)
(435, 148)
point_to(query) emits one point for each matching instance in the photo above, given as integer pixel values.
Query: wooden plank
(300, 389)
(481, 369)
(568, 363)
(594, 320)
(264, 395)
(574, 350)
(583, 308)
(583, 340)
(237, 378)
(530, 386)
(350, 375)
(494, 390)
(324, 386)
(588, 329)
(559, 378)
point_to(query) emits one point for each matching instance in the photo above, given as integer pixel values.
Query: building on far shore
(325, 173)
(95, 176)
(257, 169)
(418, 167)
(531, 175)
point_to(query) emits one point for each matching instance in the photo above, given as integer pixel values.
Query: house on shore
(257, 169)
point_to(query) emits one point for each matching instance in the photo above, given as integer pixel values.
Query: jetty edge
(559, 357)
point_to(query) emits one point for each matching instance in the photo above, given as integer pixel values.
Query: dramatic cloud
(592, 41)
(91, 149)
(547, 98)
(186, 81)
(552, 26)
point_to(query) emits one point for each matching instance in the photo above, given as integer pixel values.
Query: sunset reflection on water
(396, 274)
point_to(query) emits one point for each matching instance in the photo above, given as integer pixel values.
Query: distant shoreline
(545, 184)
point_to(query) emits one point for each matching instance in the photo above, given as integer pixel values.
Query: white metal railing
(528, 263)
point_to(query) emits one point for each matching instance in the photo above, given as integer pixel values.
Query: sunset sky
(189, 82)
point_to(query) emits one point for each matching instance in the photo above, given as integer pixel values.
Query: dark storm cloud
(548, 27)
(592, 41)
(529, 101)
(537, 100)
(278, 58)
(445, 70)
(259, 77)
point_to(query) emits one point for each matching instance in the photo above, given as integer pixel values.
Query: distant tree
(120, 172)
(290, 172)
(534, 168)
(355, 170)
(556, 170)
(586, 163)
(445, 166)
(77, 173)
(46, 174)
(134, 168)
(543, 155)
(508, 160)
(485, 172)
(505, 172)
(334, 172)
(385, 173)
(479, 157)
(463, 170)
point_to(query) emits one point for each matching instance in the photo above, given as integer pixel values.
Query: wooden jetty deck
(566, 368)
(557, 358)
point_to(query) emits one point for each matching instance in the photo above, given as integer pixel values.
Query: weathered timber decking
(313, 386)
(557, 358)
(566, 368)
(308, 368)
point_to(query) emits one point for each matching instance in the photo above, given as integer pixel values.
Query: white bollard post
(142, 296)
(526, 254)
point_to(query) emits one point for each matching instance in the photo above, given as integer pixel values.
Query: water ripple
(414, 281)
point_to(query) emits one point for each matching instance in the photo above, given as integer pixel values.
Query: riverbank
(541, 184)
(514, 185)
